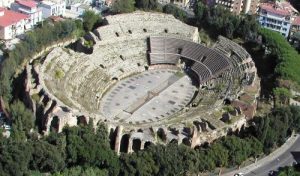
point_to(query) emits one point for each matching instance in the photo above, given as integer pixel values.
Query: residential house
(277, 16)
(30, 8)
(53, 8)
(13, 23)
(239, 6)
(6, 3)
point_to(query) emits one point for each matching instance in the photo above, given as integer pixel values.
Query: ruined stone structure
(149, 79)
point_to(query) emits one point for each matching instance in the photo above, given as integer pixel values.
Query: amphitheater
(149, 78)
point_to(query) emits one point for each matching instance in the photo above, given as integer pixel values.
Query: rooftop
(273, 8)
(10, 17)
(27, 3)
(296, 21)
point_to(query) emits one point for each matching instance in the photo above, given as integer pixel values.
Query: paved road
(279, 158)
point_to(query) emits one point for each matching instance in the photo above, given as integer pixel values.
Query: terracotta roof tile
(10, 17)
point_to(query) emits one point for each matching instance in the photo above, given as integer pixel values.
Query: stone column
(118, 139)
(195, 137)
(142, 145)
(130, 143)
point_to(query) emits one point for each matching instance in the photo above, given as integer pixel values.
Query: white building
(6, 3)
(30, 8)
(53, 8)
(79, 8)
(277, 16)
(12, 23)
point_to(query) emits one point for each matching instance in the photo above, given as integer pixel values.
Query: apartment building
(53, 8)
(13, 23)
(239, 6)
(277, 16)
(30, 8)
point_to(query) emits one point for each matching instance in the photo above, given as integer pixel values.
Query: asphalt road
(284, 156)
(284, 159)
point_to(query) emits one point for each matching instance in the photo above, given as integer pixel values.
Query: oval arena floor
(147, 97)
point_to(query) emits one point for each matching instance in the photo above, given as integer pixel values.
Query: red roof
(272, 7)
(10, 17)
(296, 21)
(27, 3)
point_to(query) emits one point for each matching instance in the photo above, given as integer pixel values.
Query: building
(277, 16)
(180, 3)
(239, 6)
(295, 25)
(79, 8)
(6, 3)
(53, 8)
(13, 23)
(30, 8)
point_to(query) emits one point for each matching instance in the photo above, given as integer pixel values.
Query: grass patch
(59, 74)
(35, 97)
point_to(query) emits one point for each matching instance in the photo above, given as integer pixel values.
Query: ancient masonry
(149, 79)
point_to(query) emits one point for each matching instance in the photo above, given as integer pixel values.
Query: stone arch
(175, 141)
(186, 141)
(114, 79)
(147, 144)
(161, 134)
(124, 143)
(136, 145)
(227, 101)
(81, 120)
(140, 130)
(197, 147)
(112, 137)
(197, 125)
(54, 125)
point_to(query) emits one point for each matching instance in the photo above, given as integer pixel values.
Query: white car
(239, 174)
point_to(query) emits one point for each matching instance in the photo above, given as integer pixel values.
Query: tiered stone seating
(157, 58)
(202, 71)
(229, 46)
(213, 61)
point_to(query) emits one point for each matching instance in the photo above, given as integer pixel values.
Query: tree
(90, 19)
(200, 10)
(148, 5)
(175, 11)
(22, 120)
(46, 157)
(282, 95)
(123, 6)
(15, 157)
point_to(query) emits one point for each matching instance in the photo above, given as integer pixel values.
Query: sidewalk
(272, 156)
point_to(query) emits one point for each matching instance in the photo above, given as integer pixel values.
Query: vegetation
(289, 171)
(288, 59)
(34, 42)
(282, 95)
(147, 5)
(83, 150)
(59, 74)
(221, 21)
(175, 11)
(22, 121)
(91, 20)
(123, 6)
